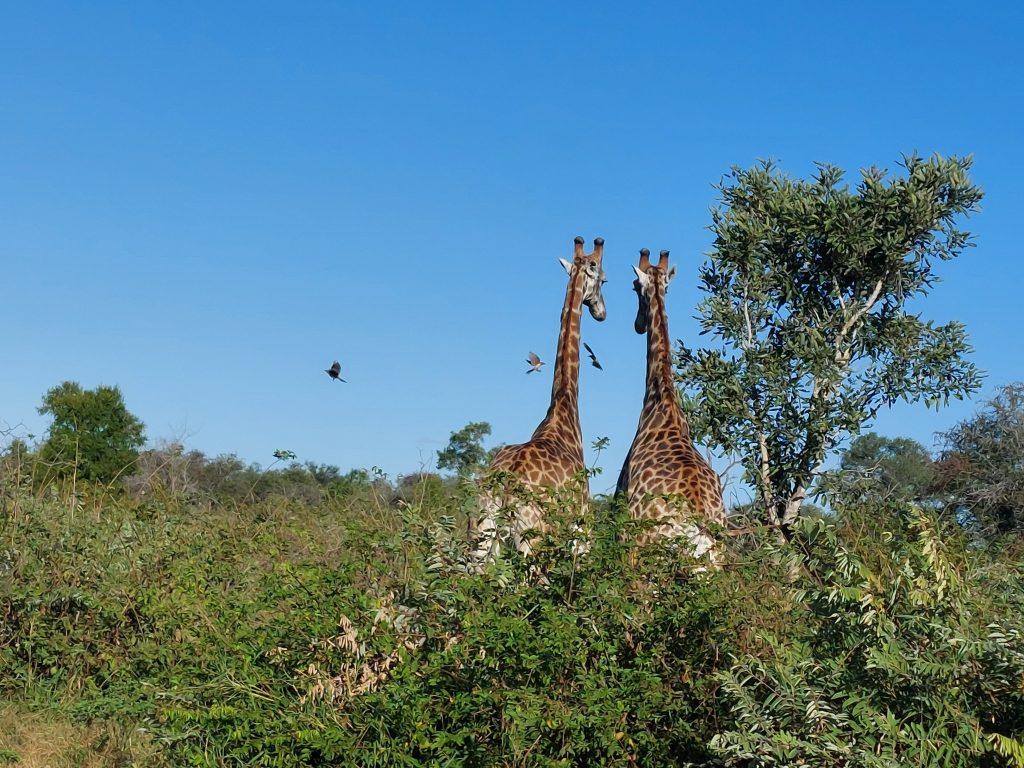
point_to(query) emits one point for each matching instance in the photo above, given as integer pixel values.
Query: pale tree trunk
(792, 510)
(781, 508)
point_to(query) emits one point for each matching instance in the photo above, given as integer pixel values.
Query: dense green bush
(593, 662)
(358, 631)
(906, 647)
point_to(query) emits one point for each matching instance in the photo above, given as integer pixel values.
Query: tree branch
(767, 492)
(746, 316)
(858, 314)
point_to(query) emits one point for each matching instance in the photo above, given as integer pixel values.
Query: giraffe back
(667, 481)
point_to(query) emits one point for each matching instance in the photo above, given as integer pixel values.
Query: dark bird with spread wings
(535, 362)
(593, 358)
(335, 371)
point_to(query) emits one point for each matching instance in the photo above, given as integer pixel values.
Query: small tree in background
(807, 292)
(981, 466)
(465, 454)
(93, 434)
(901, 468)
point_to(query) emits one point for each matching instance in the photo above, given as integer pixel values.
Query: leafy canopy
(812, 296)
(465, 454)
(901, 468)
(92, 435)
(981, 466)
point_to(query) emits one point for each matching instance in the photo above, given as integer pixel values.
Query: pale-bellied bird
(535, 362)
(593, 358)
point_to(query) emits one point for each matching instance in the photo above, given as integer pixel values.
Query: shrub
(361, 632)
(905, 647)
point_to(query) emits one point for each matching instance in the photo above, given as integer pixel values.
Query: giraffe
(663, 468)
(553, 456)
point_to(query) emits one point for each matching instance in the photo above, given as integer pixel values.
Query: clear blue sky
(206, 204)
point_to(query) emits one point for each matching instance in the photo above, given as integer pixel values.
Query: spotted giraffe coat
(664, 479)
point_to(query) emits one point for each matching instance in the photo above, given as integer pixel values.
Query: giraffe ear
(567, 265)
(639, 274)
(670, 275)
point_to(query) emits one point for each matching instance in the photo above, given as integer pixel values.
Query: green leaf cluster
(557, 659)
(905, 648)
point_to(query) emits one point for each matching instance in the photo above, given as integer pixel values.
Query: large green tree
(93, 434)
(813, 294)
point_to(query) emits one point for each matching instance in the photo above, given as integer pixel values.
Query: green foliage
(901, 468)
(905, 648)
(981, 466)
(465, 455)
(552, 660)
(284, 634)
(424, 489)
(361, 630)
(185, 619)
(93, 436)
(16, 470)
(170, 470)
(807, 292)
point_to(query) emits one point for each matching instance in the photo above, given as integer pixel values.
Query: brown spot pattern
(664, 477)
(554, 454)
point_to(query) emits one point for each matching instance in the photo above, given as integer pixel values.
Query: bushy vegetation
(906, 649)
(980, 472)
(353, 630)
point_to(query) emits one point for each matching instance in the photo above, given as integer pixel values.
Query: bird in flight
(535, 362)
(335, 371)
(593, 358)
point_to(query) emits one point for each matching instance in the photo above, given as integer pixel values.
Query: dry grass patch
(30, 739)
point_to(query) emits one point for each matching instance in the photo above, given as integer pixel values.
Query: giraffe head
(650, 280)
(588, 268)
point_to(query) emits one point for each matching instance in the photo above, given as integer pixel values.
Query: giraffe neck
(660, 399)
(563, 416)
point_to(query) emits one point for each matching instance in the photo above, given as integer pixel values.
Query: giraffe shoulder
(505, 458)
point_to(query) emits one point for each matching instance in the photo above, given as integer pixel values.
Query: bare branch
(858, 314)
